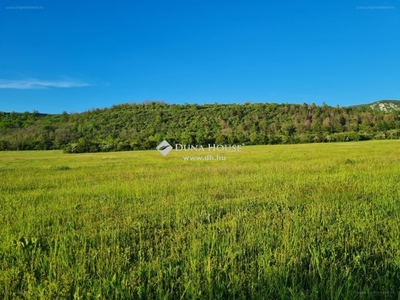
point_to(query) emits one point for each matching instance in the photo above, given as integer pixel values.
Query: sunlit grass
(271, 222)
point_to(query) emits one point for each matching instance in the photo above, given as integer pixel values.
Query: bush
(123, 146)
(393, 134)
(343, 137)
(82, 146)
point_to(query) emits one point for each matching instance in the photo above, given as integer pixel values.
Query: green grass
(317, 221)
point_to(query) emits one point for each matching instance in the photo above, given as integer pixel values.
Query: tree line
(141, 126)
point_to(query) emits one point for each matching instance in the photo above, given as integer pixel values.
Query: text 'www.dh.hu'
(205, 157)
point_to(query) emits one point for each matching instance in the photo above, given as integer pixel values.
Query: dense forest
(142, 126)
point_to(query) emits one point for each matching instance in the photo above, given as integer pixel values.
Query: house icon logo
(164, 148)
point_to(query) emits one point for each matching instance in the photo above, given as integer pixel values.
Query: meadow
(311, 221)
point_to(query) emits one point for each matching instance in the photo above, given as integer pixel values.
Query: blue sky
(77, 55)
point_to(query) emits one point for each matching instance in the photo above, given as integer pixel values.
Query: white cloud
(39, 84)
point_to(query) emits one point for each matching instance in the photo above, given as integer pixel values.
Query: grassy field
(317, 221)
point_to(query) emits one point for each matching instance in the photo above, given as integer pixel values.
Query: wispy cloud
(39, 84)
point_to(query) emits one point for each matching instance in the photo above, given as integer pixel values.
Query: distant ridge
(386, 105)
(383, 105)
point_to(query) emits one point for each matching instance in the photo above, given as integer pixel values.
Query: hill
(386, 105)
(383, 105)
(143, 126)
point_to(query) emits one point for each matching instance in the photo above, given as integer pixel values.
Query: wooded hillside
(143, 126)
